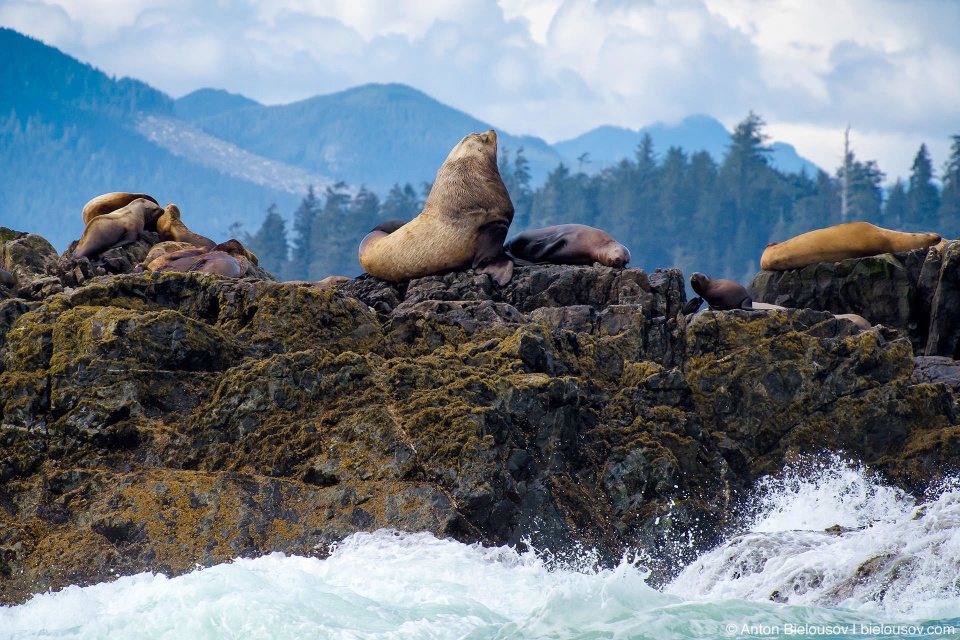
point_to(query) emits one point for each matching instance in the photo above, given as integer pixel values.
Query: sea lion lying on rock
(171, 228)
(725, 295)
(118, 228)
(840, 242)
(568, 244)
(226, 259)
(463, 223)
(110, 202)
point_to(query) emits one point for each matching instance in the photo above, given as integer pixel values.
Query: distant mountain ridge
(608, 145)
(69, 132)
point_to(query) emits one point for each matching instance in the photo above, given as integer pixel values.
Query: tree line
(671, 210)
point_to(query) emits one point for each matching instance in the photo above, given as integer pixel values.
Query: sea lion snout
(618, 256)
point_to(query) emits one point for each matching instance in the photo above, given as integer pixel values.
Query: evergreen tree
(923, 199)
(401, 203)
(303, 226)
(895, 208)
(269, 243)
(332, 239)
(864, 194)
(949, 213)
(521, 194)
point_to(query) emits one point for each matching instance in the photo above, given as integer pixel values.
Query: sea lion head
(616, 255)
(476, 145)
(236, 249)
(699, 282)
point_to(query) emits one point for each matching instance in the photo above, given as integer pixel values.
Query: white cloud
(557, 68)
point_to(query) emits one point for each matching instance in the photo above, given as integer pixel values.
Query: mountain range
(69, 132)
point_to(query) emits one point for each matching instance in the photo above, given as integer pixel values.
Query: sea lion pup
(462, 225)
(720, 294)
(724, 295)
(840, 242)
(110, 202)
(170, 227)
(117, 229)
(568, 244)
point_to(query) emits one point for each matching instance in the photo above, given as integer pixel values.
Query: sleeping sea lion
(170, 227)
(118, 228)
(462, 225)
(840, 242)
(110, 202)
(720, 294)
(226, 259)
(568, 244)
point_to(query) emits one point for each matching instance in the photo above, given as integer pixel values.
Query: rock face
(158, 421)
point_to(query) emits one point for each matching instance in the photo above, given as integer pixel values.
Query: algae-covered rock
(159, 421)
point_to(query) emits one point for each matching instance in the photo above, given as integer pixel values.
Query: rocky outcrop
(158, 421)
(917, 292)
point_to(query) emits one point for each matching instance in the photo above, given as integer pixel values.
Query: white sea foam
(391, 585)
(888, 555)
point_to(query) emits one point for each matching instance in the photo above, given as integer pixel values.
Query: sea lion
(226, 259)
(720, 294)
(724, 295)
(840, 242)
(568, 244)
(8, 279)
(332, 282)
(170, 227)
(462, 225)
(110, 202)
(117, 229)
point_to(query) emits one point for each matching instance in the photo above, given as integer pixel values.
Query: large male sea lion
(118, 228)
(840, 242)
(462, 225)
(110, 202)
(568, 244)
(170, 227)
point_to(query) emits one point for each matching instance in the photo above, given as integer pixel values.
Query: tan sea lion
(161, 249)
(117, 229)
(110, 202)
(332, 282)
(840, 242)
(170, 227)
(720, 294)
(462, 225)
(568, 244)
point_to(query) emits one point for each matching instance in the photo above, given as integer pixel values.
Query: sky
(890, 69)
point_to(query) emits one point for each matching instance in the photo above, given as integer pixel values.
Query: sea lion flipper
(747, 303)
(500, 270)
(692, 306)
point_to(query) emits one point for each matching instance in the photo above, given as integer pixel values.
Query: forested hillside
(66, 136)
(670, 208)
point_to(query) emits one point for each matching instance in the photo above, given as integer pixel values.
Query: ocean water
(392, 585)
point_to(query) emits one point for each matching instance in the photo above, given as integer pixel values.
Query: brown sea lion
(724, 295)
(226, 259)
(840, 242)
(462, 225)
(332, 282)
(118, 228)
(720, 294)
(163, 248)
(170, 227)
(568, 244)
(110, 202)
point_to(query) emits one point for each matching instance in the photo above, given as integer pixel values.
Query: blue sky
(557, 68)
